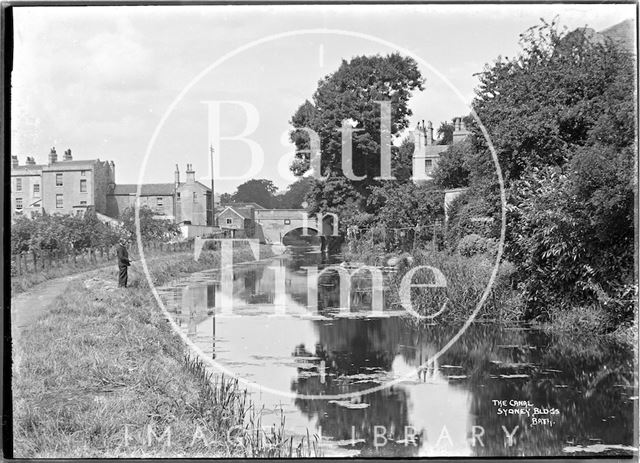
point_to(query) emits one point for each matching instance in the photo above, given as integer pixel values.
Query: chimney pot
(67, 155)
(53, 156)
(191, 175)
(14, 161)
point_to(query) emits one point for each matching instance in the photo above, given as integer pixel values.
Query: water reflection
(446, 408)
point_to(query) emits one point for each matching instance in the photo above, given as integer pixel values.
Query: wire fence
(30, 262)
(398, 238)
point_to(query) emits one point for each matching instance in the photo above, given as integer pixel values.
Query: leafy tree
(402, 160)
(445, 133)
(226, 198)
(152, 228)
(350, 94)
(558, 115)
(259, 191)
(563, 90)
(295, 194)
(453, 170)
(406, 204)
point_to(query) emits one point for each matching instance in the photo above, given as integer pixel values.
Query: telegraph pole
(213, 195)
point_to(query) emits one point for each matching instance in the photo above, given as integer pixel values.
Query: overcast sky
(99, 80)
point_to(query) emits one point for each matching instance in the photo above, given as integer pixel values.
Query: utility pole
(213, 193)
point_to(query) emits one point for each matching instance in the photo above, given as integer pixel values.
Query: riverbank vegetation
(51, 246)
(561, 117)
(101, 374)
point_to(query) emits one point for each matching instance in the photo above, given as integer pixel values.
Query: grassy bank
(22, 283)
(466, 280)
(101, 374)
(26, 281)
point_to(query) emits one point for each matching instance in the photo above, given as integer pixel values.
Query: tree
(558, 115)
(453, 170)
(402, 160)
(351, 94)
(295, 195)
(406, 204)
(152, 228)
(557, 94)
(259, 191)
(445, 133)
(225, 198)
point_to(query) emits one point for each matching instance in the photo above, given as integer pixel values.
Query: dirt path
(27, 307)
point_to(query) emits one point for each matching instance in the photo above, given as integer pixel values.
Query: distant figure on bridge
(123, 263)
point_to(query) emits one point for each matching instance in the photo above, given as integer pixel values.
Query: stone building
(62, 186)
(239, 219)
(427, 152)
(157, 196)
(187, 202)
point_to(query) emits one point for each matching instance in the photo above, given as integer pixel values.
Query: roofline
(232, 210)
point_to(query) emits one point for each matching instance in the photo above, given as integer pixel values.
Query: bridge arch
(294, 233)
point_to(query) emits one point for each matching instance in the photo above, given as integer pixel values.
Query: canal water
(497, 391)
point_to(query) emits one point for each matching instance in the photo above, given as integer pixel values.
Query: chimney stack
(53, 156)
(14, 161)
(30, 161)
(460, 131)
(177, 176)
(191, 174)
(429, 133)
(67, 155)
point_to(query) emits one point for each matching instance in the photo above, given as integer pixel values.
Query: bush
(474, 244)
(581, 320)
(61, 233)
(152, 228)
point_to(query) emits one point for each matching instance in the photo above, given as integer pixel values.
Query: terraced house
(187, 202)
(61, 186)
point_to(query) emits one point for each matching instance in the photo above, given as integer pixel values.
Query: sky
(139, 84)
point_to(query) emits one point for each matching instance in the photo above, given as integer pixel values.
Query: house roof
(71, 165)
(245, 205)
(239, 211)
(433, 150)
(622, 33)
(147, 189)
(27, 169)
(208, 188)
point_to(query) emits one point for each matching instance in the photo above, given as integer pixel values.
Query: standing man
(123, 263)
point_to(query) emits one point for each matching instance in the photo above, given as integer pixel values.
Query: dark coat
(123, 256)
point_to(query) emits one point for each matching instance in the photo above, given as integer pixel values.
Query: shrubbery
(61, 233)
(57, 232)
(474, 244)
(560, 119)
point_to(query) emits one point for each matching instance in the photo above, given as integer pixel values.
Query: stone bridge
(272, 225)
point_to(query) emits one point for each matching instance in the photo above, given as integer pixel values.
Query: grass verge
(101, 374)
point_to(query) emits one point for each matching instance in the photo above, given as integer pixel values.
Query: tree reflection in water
(591, 384)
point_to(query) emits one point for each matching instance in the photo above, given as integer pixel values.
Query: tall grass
(466, 280)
